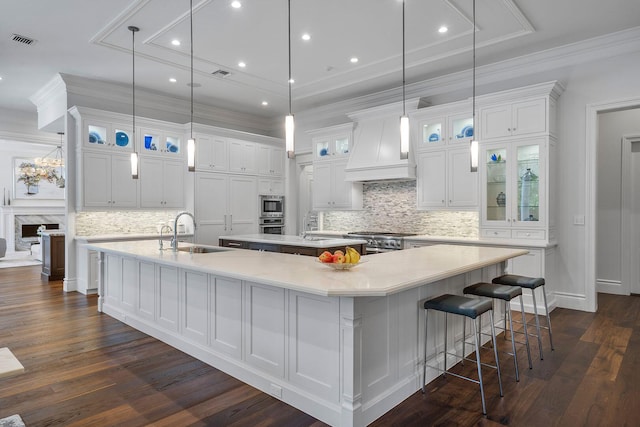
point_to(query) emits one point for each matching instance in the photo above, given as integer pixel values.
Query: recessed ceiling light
(306, 37)
(354, 60)
(265, 103)
(443, 29)
(172, 80)
(242, 64)
(175, 42)
(0, 77)
(236, 4)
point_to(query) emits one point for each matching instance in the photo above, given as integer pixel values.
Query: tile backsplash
(391, 206)
(122, 222)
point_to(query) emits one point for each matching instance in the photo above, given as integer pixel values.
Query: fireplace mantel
(8, 214)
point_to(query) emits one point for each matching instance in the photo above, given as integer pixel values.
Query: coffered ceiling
(90, 39)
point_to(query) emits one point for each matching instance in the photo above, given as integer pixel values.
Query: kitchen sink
(202, 249)
(314, 239)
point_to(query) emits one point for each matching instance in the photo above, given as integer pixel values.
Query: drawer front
(499, 233)
(528, 234)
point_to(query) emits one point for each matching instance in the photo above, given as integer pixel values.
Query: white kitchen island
(342, 346)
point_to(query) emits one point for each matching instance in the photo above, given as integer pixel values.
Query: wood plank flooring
(83, 368)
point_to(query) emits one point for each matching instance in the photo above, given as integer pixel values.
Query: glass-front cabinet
(101, 135)
(437, 131)
(332, 143)
(156, 142)
(513, 184)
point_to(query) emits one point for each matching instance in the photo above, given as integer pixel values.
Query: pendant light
(289, 126)
(474, 140)
(52, 161)
(191, 142)
(404, 120)
(134, 154)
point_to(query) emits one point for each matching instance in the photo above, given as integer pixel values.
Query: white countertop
(124, 237)
(285, 239)
(378, 275)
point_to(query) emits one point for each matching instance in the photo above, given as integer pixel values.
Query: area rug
(18, 259)
(12, 421)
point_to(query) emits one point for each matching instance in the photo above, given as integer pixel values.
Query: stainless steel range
(380, 241)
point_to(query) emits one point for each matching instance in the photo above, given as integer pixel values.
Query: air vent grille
(221, 73)
(22, 39)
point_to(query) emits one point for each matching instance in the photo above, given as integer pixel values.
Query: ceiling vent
(221, 73)
(22, 39)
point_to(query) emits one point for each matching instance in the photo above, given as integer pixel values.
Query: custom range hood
(375, 155)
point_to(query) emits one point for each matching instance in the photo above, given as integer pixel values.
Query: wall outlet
(578, 220)
(276, 391)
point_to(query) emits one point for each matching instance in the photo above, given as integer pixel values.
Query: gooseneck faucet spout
(161, 230)
(174, 242)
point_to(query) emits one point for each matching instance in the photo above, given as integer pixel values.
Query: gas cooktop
(382, 233)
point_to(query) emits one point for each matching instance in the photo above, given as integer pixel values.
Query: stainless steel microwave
(271, 206)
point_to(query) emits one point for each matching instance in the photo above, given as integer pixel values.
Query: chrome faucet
(174, 241)
(161, 230)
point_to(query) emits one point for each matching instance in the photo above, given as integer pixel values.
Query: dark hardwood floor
(83, 368)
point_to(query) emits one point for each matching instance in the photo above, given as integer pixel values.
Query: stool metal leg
(546, 307)
(526, 335)
(513, 343)
(464, 340)
(424, 370)
(477, 341)
(505, 320)
(495, 352)
(444, 374)
(535, 312)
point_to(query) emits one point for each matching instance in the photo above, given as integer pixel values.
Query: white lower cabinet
(112, 280)
(264, 311)
(167, 289)
(146, 303)
(225, 205)
(225, 300)
(129, 276)
(195, 289)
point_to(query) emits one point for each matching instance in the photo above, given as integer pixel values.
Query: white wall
(611, 127)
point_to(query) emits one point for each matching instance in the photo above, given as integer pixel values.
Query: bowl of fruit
(341, 260)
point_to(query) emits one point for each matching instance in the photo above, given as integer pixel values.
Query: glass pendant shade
(134, 165)
(289, 128)
(474, 155)
(404, 137)
(191, 154)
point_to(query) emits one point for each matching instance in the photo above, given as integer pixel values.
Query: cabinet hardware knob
(528, 234)
(509, 129)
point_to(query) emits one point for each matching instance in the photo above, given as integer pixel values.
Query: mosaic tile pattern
(391, 206)
(122, 222)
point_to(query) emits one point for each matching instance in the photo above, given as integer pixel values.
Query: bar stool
(506, 294)
(471, 308)
(530, 283)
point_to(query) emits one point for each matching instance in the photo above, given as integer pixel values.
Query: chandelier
(52, 161)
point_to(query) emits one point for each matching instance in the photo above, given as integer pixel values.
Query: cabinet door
(167, 297)
(322, 195)
(195, 295)
(431, 185)
(147, 291)
(460, 128)
(496, 193)
(432, 132)
(124, 189)
(210, 207)
(211, 153)
(340, 187)
(264, 160)
(495, 121)
(112, 290)
(462, 185)
(271, 187)
(243, 202)
(96, 179)
(277, 161)
(529, 117)
(528, 183)
(242, 156)
(151, 178)
(226, 319)
(173, 183)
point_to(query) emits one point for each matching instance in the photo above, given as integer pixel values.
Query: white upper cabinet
(514, 119)
(437, 131)
(98, 134)
(270, 160)
(159, 142)
(161, 183)
(242, 156)
(211, 153)
(332, 143)
(330, 189)
(106, 181)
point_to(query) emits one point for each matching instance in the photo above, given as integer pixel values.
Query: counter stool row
(504, 288)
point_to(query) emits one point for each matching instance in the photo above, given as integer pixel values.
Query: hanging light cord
(289, 17)
(403, 65)
(133, 30)
(474, 67)
(191, 30)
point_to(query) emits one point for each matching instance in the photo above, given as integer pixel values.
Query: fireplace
(26, 228)
(31, 230)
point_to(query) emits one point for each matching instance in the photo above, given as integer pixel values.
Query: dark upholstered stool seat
(456, 304)
(505, 293)
(522, 281)
(492, 290)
